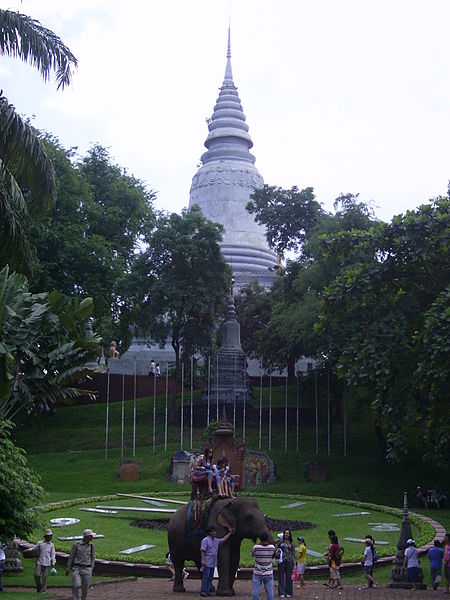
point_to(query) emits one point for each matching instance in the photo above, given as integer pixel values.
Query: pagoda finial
(228, 71)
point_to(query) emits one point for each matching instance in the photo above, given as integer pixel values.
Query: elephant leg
(223, 565)
(235, 555)
(178, 565)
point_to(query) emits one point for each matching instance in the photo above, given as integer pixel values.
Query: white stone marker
(137, 549)
(155, 503)
(314, 553)
(139, 509)
(354, 514)
(64, 521)
(360, 540)
(103, 511)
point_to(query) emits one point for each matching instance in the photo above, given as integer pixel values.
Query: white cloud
(349, 96)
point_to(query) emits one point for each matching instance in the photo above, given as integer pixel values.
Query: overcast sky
(348, 96)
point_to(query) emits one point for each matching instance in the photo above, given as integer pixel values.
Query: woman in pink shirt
(447, 563)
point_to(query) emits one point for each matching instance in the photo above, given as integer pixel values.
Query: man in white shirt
(411, 561)
(46, 559)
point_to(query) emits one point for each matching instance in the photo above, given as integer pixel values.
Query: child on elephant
(204, 466)
(219, 472)
(231, 480)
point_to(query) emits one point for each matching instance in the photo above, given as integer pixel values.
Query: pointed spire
(231, 330)
(228, 137)
(228, 70)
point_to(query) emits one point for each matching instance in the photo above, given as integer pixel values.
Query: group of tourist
(154, 369)
(217, 473)
(292, 562)
(434, 496)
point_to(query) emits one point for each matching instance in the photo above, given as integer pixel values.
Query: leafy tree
(43, 346)
(180, 284)
(87, 243)
(23, 161)
(285, 331)
(254, 307)
(433, 375)
(288, 215)
(19, 489)
(391, 302)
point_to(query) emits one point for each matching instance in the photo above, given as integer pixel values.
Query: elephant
(242, 514)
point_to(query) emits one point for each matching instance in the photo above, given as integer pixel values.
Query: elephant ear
(225, 517)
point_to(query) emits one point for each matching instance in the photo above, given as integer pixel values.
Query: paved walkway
(157, 589)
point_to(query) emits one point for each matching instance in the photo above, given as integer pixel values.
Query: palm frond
(24, 155)
(15, 248)
(25, 38)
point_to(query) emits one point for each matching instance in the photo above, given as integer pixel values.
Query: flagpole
(107, 414)
(134, 410)
(166, 411)
(192, 398)
(182, 407)
(270, 408)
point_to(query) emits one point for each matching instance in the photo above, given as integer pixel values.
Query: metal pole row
(244, 408)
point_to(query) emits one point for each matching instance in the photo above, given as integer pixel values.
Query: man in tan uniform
(81, 561)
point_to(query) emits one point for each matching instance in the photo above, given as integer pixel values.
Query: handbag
(295, 575)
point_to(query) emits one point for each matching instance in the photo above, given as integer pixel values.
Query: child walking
(367, 563)
(301, 561)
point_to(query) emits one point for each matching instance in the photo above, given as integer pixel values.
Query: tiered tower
(223, 184)
(229, 383)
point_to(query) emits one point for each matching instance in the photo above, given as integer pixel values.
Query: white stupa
(223, 184)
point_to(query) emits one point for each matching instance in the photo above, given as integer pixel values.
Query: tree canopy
(282, 319)
(180, 282)
(44, 346)
(392, 302)
(25, 38)
(288, 215)
(87, 244)
(27, 180)
(20, 489)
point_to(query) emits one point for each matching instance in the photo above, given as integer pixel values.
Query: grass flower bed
(120, 535)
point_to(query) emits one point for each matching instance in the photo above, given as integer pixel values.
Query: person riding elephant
(239, 514)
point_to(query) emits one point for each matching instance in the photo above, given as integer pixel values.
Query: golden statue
(113, 353)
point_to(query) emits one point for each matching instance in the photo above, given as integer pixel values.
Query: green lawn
(73, 441)
(119, 535)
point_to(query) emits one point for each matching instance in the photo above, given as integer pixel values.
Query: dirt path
(160, 589)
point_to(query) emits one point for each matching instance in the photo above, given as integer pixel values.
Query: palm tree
(22, 156)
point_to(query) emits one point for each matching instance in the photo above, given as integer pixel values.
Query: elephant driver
(209, 549)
